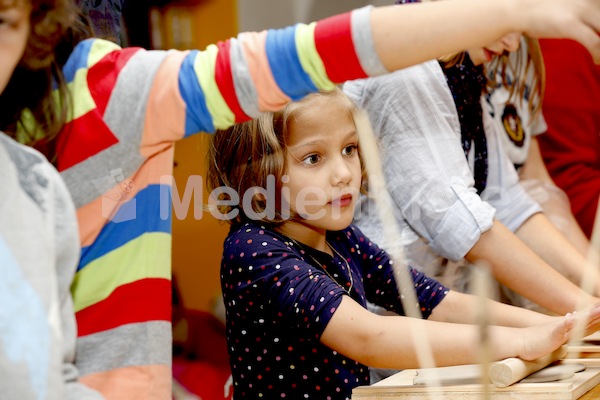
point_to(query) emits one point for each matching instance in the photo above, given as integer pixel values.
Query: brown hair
(531, 57)
(30, 111)
(245, 155)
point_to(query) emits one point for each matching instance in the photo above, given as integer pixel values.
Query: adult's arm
(518, 267)
(544, 238)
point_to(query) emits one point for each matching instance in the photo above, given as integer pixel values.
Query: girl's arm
(463, 308)
(522, 270)
(544, 239)
(386, 342)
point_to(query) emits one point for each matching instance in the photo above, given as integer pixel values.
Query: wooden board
(588, 348)
(400, 387)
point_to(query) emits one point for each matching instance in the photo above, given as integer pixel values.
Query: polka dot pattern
(278, 304)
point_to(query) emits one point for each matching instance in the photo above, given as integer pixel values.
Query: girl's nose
(342, 174)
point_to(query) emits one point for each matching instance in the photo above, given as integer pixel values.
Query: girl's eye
(349, 150)
(311, 160)
(10, 18)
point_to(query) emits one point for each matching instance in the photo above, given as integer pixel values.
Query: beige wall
(197, 244)
(262, 14)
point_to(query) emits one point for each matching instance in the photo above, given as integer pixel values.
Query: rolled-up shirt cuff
(462, 225)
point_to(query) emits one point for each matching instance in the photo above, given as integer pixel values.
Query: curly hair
(30, 111)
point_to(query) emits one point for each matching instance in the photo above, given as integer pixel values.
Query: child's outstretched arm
(238, 79)
(386, 342)
(453, 26)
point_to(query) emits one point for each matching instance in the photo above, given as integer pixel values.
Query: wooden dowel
(511, 370)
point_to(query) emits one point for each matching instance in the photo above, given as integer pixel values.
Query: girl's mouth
(342, 201)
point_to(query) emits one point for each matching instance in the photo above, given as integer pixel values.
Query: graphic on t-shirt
(513, 125)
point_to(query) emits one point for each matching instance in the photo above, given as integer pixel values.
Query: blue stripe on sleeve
(197, 117)
(285, 64)
(140, 215)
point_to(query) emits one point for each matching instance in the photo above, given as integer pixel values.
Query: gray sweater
(39, 250)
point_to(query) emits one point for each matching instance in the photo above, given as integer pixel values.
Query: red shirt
(571, 147)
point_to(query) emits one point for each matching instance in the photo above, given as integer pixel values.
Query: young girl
(122, 110)
(456, 194)
(39, 247)
(295, 289)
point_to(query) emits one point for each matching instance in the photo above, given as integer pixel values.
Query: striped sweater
(130, 106)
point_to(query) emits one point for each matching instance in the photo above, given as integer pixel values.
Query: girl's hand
(572, 19)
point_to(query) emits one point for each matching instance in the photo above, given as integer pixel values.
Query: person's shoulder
(35, 176)
(25, 159)
(254, 237)
(95, 47)
(86, 54)
(12, 146)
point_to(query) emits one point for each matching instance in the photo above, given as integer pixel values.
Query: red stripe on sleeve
(224, 79)
(82, 138)
(333, 39)
(141, 301)
(103, 75)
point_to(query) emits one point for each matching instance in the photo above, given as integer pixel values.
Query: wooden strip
(400, 387)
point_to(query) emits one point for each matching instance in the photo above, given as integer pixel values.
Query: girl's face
(14, 33)
(323, 166)
(482, 55)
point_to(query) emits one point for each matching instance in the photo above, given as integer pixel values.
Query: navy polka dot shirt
(278, 301)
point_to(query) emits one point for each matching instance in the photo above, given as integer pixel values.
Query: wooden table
(583, 385)
(593, 394)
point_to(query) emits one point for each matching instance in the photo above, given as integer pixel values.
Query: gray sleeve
(66, 241)
(39, 249)
(427, 173)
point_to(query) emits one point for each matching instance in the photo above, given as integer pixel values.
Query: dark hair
(245, 155)
(30, 111)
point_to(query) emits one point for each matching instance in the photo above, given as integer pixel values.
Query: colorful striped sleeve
(256, 72)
